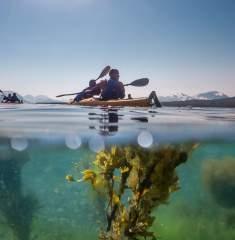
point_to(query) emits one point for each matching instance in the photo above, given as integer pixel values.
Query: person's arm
(97, 88)
(122, 90)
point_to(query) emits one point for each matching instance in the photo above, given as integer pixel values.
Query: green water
(71, 211)
(193, 212)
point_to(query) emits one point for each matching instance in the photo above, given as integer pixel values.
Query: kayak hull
(135, 102)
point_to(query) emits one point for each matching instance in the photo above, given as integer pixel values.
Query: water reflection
(107, 120)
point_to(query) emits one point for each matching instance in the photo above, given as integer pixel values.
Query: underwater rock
(219, 178)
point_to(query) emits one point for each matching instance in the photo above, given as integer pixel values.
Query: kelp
(134, 181)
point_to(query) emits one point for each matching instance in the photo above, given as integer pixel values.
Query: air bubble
(73, 141)
(145, 139)
(96, 144)
(19, 144)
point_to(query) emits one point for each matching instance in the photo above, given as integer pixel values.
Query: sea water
(42, 144)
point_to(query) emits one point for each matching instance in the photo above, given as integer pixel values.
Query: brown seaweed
(134, 181)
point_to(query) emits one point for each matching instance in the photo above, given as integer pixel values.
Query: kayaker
(7, 98)
(14, 98)
(114, 88)
(83, 94)
(93, 89)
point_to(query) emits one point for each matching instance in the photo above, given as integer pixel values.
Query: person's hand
(103, 83)
(88, 91)
(121, 86)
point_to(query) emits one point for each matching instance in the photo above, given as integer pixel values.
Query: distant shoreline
(221, 103)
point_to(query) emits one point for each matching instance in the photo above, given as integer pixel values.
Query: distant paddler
(7, 98)
(10, 98)
(15, 99)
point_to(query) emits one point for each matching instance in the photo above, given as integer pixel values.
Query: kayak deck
(135, 102)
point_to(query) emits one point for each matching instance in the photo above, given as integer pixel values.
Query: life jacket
(113, 90)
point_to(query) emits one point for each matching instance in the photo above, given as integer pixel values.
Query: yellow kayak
(136, 102)
(133, 102)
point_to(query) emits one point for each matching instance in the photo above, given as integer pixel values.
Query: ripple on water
(74, 124)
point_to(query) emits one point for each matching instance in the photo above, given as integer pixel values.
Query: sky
(52, 47)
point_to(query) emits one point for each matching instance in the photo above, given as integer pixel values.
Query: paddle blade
(61, 95)
(139, 82)
(2, 92)
(104, 72)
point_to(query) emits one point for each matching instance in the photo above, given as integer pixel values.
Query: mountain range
(38, 99)
(210, 95)
(206, 99)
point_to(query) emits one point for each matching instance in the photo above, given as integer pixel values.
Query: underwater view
(73, 172)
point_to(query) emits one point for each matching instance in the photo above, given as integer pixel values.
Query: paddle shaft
(2, 93)
(102, 74)
(136, 83)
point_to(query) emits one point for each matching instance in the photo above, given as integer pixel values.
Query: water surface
(41, 144)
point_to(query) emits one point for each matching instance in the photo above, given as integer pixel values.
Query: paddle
(139, 82)
(2, 93)
(104, 72)
(136, 83)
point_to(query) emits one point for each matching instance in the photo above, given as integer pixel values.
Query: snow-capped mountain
(28, 98)
(175, 97)
(202, 96)
(211, 95)
(38, 99)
